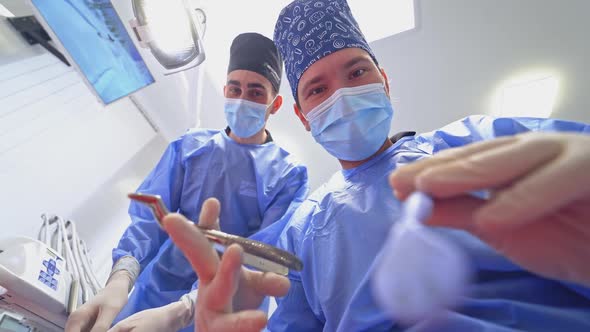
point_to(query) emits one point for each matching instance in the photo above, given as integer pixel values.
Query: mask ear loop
(271, 103)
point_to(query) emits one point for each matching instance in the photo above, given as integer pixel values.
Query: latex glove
(98, 314)
(539, 212)
(228, 292)
(169, 318)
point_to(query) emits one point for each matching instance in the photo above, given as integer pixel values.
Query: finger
(403, 180)
(209, 217)
(457, 212)
(105, 318)
(491, 168)
(268, 283)
(539, 194)
(79, 321)
(244, 321)
(193, 244)
(225, 284)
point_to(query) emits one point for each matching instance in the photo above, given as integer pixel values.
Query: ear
(276, 104)
(301, 117)
(386, 79)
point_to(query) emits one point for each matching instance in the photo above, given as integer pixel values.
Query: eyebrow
(249, 85)
(256, 85)
(355, 61)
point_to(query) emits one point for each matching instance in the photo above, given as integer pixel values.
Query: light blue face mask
(353, 123)
(245, 118)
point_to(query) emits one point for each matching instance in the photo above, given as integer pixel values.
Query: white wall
(463, 50)
(58, 147)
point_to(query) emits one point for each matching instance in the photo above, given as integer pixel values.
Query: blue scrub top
(256, 185)
(340, 229)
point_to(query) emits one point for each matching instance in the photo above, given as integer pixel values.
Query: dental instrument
(256, 254)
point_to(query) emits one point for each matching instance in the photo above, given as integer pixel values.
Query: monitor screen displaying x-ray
(96, 40)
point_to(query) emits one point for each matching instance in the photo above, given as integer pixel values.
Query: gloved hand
(228, 292)
(98, 314)
(169, 318)
(539, 212)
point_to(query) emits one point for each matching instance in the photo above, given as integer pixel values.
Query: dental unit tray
(34, 286)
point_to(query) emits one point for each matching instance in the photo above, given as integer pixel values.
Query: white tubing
(70, 242)
(63, 237)
(88, 267)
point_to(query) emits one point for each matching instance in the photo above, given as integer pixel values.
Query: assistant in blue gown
(340, 229)
(256, 185)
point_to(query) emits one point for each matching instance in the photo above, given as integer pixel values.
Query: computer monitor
(97, 43)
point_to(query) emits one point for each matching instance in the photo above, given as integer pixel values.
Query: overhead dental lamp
(173, 32)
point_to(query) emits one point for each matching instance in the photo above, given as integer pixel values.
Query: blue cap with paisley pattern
(308, 30)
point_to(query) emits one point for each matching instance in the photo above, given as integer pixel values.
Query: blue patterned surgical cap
(308, 30)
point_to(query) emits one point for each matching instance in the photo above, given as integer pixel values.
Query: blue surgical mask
(245, 118)
(353, 123)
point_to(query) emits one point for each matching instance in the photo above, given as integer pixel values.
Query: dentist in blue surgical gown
(342, 97)
(257, 181)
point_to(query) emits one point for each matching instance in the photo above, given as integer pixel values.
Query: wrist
(126, 267)
(179, 314)
(120, 280)
(188, 301)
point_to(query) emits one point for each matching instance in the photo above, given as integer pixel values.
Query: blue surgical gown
(340, 229)
(256, 185)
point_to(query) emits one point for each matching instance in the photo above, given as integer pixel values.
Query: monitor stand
(34, 33)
